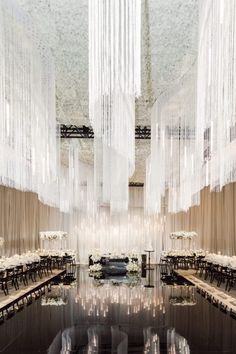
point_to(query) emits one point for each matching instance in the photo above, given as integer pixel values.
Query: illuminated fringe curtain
(216, 116)
(121, 231)
(171, 169)
(181, 173)
(28, 144)
(76, 184)
(189, 165)
(114, 82)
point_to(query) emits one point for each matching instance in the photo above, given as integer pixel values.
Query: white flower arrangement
(225, 261)
(96, 255)
(183, 253)
(95, 268)
(183, 235)
(72, 285)
(53, 301)
(60, 253)
(132, 267)
(182, 301)
(96, 258)
(199, 252)
(53, 235)
(2, 241)
(180, 253)
(96, 275)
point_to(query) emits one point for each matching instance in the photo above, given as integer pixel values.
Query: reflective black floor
(68, 312)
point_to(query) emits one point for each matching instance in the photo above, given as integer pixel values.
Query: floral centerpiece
(53, 235)
(95, 271)
(183, 253)
(53, 301)
(132, 267)
(199, 253)
(182, 296)
(182, 301)
(96, 256)
(183, 235)
(56, 252)
(179, 253)
(95, 268)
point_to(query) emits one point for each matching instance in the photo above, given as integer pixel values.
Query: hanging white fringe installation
(28, 144)
(114, 82)
(120, 231)
(77, 184)
(210, 157)
(216, 116)
(170, 171)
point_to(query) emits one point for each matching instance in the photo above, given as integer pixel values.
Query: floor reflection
(94, 315)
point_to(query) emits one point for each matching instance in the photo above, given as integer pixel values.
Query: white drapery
(22, 216)
(213, 220)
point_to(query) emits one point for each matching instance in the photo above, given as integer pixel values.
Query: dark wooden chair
(231, 279)
(3, 282)
(11, 278)
(20, 276)
(31, 272)
(44, 266)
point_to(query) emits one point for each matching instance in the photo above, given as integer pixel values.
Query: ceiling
(169, 48)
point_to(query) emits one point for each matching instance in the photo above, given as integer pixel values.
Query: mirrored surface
(98, 310)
